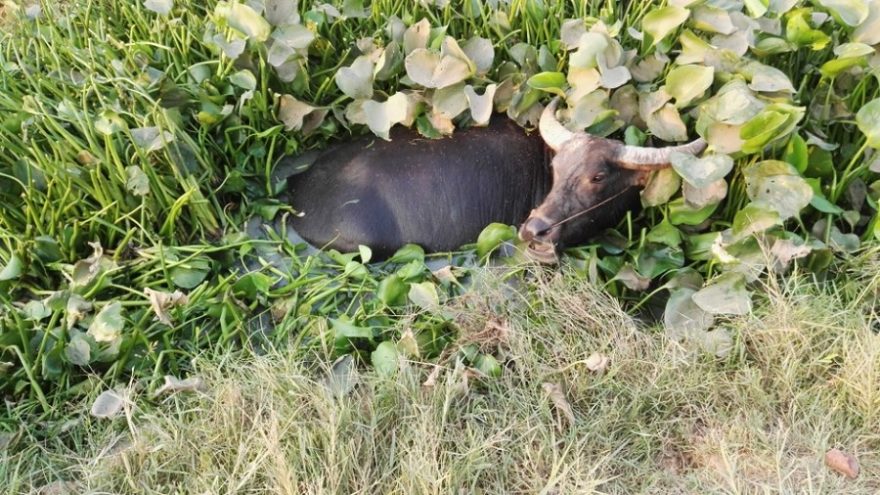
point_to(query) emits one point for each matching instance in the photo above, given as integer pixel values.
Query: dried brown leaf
(557, 397)
(161, 302)
(843, 463)
(597, 362)
(173, 385)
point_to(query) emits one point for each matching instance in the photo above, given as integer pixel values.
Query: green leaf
(251, 285)
(244, 19)
(682, 317)
(424, 295)
(660, 22)
(851, 12)
(868, 120)
(78, 351)
(488, 365)
(796, 153)
(187, 278)
(551, 82)
(727, 294)
(777, 185)
(13, 269)
(137, 181)
(687, 83)
(108, 323)
(681, 213)
(662, 185)
(753, 219)
(701, 172)
(392, 290)
(161, 7)
(665, 233)
(408, 253)
(385, 358)
(492, 236)
(244, 79)
(366, 253)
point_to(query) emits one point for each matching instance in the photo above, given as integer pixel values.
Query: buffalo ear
(647, 159)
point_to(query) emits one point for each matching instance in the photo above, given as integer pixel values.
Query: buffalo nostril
(532, 228)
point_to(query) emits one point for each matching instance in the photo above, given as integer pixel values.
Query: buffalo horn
(552, 131)
(641, 158)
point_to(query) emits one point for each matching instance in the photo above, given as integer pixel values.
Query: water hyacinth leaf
(693, 49)
(613, 77)
(868, 31)
(726, 295)
(244, 79)
(589, 110)
(282, 12)
(356, 81)
(36, 310)
(683, 316)
(787, 195)
(665, 233)
(711, 19)
(385, 358)
(680, 213)
(582, 82)
(244, 19)
(150, 139)
(75, 309)
(291, 112)
(661, 186)
(753, 219)
(480, 105)
(389, 62)
(666, 124)
(704, 196)
(416, 36)
(107, 405)
(757, 8)
(488, 365)
(660, 22)
(424, 295)
(136, 181)
(293, 36)
(851, 12)
(13, 269)
(381, 116)
(868, 120)
(492, 236)
(392, 290)
(799, 32)
(687, 83)
(481, 51)
(551, 82)
(703, 171)
(650, 68)
(770, 80)
(433, 70)
(768, 126)
(188, 277)
(848, 55)
(232, 48)
(161, 7)
(109, 123)
(78, 351)
(632, 279)
(571, 31)
(108, 323)
(450, 101)
(589, 47)
(161, 302)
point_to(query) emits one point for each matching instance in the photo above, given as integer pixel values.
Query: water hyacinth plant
(134, 152)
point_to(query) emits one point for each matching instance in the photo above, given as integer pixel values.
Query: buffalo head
(595, 181)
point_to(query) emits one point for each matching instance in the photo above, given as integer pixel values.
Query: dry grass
(663, 418)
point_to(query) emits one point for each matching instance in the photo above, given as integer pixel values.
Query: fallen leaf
(174, 385)
(597, 362)
(161, 302)
(842, 462)
(107, 405)
(432, 377)
(557, 397)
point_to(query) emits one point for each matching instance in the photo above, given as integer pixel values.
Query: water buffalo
(440, 193)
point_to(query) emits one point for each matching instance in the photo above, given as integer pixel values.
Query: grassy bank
(660, 417)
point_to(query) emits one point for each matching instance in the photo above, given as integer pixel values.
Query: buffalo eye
(597, 178)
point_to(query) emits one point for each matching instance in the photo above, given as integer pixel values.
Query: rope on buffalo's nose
(582, 212)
